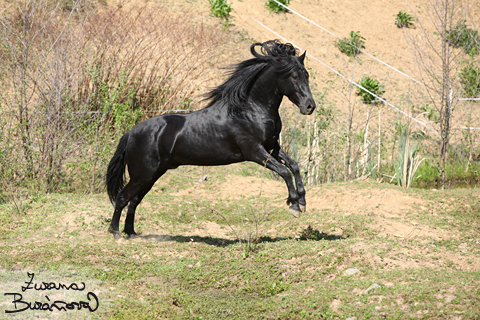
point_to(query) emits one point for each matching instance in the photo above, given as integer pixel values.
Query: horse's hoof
(295, 210)
(132, 236)
(111, 230)
(117, 236)
(303, 204)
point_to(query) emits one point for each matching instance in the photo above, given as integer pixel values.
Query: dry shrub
(76, 77)
(156, 58)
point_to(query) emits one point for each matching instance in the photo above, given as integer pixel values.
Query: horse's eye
(295, 76)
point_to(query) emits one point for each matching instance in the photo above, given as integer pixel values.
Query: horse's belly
(206, 153)
(206, 156)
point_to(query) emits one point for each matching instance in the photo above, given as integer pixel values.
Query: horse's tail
(115, 179)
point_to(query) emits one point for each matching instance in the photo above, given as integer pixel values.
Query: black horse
(241, 123)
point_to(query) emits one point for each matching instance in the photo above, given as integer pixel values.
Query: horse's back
(203, 137)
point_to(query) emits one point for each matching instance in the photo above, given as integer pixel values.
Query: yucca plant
(404, 20)
(374, 87)
(351, 47)
(408, 160)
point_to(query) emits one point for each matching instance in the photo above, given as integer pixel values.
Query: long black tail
(115, 179)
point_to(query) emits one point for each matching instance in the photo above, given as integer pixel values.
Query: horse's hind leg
(122, 199)
(134, 202)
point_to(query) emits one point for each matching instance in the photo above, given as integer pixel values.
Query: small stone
(204, 178)
(351, 318)
(351, 271)
(372, 287)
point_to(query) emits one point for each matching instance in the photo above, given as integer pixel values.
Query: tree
(438, 63)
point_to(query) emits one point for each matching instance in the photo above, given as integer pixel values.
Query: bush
(404, 20)
(275, 7)
(464, 37)
(220, 8)
(373, 86)
(470, 80)
(71, 84)
(351, 47)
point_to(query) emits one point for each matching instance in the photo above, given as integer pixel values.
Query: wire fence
(355, 148)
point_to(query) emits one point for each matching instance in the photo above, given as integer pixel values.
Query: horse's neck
(265, 93)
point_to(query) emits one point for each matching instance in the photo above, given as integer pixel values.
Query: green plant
(373, 86)
(351, 47)
(408, 160)
(464, 37)
(470, 80)
(275, 7)
(220, 8)
(429, 112)
(404, 20)
(311, 234)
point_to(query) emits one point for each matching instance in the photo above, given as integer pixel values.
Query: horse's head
(294, 84)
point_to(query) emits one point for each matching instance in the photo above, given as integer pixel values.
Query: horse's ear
(302, 57)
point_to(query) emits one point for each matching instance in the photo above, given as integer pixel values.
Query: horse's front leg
(293, 166)
(263, 158)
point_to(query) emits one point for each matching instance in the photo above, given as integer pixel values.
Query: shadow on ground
(221, 242)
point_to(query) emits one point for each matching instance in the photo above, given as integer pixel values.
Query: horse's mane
(235, 90)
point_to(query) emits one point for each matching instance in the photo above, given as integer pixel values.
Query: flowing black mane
(236, 89)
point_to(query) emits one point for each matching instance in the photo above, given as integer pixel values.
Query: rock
(351, 271)
(16, 268)
(351, 318)
(204, 178)
(372, 287)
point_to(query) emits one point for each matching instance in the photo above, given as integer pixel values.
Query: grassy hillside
(217, 251)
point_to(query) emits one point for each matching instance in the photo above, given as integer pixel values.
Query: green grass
(192, 275)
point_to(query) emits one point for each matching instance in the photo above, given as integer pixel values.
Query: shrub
(373, 86)
(220, 8)
(275, 7)
(464, 37)
(404, 20)
(429, 112)
(470, 80)
(351, 47)
(71, 84)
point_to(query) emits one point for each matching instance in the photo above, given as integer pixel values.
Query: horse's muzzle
(308, 108)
